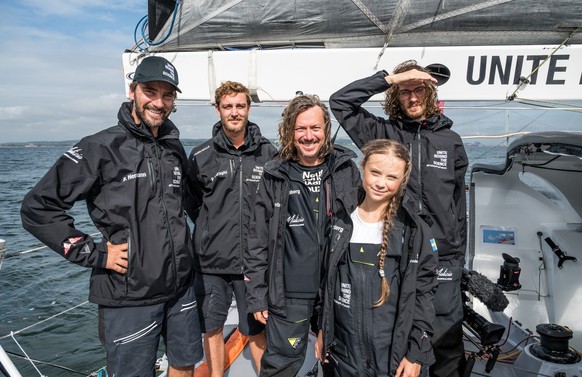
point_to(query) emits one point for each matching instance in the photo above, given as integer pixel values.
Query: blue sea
(38, 285)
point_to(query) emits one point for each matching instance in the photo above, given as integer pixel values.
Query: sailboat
(525, 214)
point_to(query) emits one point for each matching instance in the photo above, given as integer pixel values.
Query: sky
(61, 77)
(61, 71)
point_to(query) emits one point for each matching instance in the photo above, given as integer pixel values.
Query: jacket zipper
(151, 172)
(240, 216)
(420, 206)
(365, 325)
(126, 277)
(158, 155)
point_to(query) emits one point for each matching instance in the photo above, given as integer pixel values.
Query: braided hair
(396, 150)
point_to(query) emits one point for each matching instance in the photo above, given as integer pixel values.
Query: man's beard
(140, 111)
(236, 129)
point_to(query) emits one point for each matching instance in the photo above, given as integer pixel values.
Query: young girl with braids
(377, 296)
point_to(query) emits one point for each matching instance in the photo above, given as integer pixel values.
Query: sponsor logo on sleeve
(74, 154)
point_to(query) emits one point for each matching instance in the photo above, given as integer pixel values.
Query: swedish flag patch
(433, 245)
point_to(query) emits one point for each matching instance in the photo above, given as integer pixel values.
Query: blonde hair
(295, 107)
(392, 104)
(396, 150)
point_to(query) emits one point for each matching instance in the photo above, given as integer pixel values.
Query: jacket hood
(167, 130)
(253, 137)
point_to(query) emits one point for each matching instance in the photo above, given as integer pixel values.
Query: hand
(261, 316)
(407, 369)
(414, 76)
(117, 257)
(319, 348)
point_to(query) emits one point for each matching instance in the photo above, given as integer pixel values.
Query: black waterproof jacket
(411, 336)
(224, 183)
(132, 185)
(264, 258)
(439, 160)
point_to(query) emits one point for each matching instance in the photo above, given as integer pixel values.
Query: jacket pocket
(342, 360)
(288, 336)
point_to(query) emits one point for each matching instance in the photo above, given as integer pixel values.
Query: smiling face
(309, 136)
(412, 99)
(233, 111)
(383, 175)
(153, 103)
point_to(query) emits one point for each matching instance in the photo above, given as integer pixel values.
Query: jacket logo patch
(177, 177)
(345, 297)
(256, 175)
(202, 150)
(433, 245)
(131, 176)
(294, 342)
(295, 220)
(70, 243)
(219, 174)
(74, 154)
(444, 274)
(439, 160)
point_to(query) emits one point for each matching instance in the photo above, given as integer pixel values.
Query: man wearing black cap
(130, 176)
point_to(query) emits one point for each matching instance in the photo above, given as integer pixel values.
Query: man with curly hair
(292, 220)
(437, 181)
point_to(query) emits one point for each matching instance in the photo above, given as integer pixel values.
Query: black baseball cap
(156, 68)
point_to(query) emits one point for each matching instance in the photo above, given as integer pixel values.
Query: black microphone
(485, 290)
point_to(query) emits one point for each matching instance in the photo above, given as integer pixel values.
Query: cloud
(12, 112)
(61, 69)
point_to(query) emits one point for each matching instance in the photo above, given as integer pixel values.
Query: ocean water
(39, 285)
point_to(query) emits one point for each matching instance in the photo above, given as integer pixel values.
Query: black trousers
(447, 338)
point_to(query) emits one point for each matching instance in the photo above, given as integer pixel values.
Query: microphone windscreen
(485, 290)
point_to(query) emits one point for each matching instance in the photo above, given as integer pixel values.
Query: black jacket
(224, 183)
(264, 258)
(132, 185)
(411, 336)
(439, 160)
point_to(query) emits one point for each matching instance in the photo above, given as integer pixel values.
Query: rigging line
(46, 363)
(495, 136)
(498, 144)
(44, 320)
(539, 103)
(162, 40)
(206, 18)
(540, 166)
(520, 130)
(27, 357)
(525, 80)
(371, 16)
(455, 13)
(399, 13)
(18, 253)
(440, 6)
